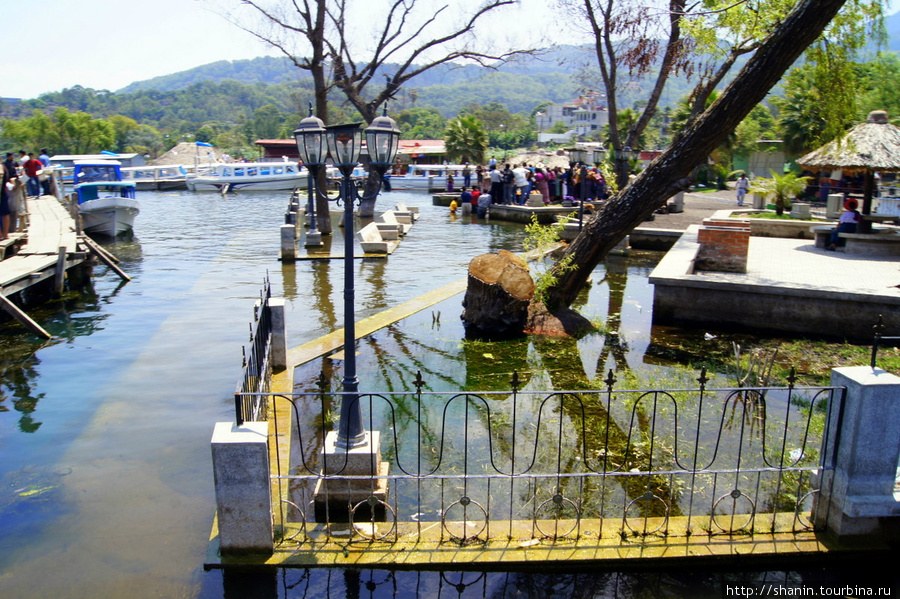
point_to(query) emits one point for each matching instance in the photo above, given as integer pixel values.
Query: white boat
(106, 203)
(161, 177)
(430, 177)
(248, 175)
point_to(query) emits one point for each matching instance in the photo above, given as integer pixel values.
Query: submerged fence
(257, 363)
(560, 465)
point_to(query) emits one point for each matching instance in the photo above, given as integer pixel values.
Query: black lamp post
(344, 145)
(310, 137)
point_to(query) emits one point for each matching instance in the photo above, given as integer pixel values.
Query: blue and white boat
(248, 175)
(106, 203)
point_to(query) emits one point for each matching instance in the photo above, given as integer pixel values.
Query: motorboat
(430, 177)
(162, 177)
(226, 177)
(106, 203)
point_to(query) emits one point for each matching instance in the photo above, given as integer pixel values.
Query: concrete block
(243, 489)
(859, 492)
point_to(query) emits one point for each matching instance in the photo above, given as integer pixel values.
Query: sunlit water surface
(106, 477)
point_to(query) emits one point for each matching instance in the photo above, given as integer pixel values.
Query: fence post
(279, 333)
(243, 489)
(288, 243)
(857, 496)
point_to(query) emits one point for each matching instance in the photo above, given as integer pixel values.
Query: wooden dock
(50, 245)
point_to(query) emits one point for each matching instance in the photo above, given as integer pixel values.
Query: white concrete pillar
(243, 489)
(859, 492)
(288, 243)
(279, 333)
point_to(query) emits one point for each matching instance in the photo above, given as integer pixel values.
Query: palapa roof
(187, 153)
(871, 146)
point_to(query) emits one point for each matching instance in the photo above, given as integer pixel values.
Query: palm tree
(782, 188)
(466, 140)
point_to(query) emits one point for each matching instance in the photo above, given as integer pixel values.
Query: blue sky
(107, 44)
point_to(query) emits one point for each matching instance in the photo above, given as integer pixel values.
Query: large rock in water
(497, 297)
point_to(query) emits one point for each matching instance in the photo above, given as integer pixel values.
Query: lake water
(106, 475)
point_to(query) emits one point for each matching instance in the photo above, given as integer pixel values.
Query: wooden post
(60, 277)
(104, 257)
(14, 311)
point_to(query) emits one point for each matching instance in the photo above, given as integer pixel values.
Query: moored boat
(249, 175)
(162, 177)
(106, 203)
(430, 177)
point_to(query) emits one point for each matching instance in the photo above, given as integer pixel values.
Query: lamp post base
(313, 239)
(364, 493)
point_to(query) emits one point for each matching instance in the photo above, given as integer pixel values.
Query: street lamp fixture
(313, 150)
(344, 145)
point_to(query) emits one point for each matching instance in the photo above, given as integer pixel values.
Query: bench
(372, 243)
(822, 235)
(885, 242)
(388, 232)
(413, 211)
(390, 217)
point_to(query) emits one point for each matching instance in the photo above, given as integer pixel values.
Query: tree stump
(497, 297)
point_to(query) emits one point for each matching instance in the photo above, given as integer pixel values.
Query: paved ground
(697, 206)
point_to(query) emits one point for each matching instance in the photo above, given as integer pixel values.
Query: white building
(583, 116)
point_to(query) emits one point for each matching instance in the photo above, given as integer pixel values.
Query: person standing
(467, 176)
(520, 173)
(4, 201)
(742, 185)
(496, 185)
(45, 179)
(32, 167)
(508, 180)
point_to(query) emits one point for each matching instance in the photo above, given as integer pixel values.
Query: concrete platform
(426, 545)
(790, 286)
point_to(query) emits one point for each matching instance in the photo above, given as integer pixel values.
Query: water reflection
(706, 583)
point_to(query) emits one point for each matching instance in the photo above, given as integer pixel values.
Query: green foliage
(64, 133)
(541, 239)
(801, 122)
(759, 124)
(421, 123)
(466, 140)
(782, 188)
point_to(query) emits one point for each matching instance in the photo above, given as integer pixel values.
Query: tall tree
(283, 26)
(466, 140)
(413, 38)
(669, 173)
(626, 36)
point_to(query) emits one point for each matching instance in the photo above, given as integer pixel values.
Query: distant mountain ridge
(565, 60)
(273, 70)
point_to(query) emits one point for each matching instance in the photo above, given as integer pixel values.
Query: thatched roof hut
(188, 153)
(870, 147)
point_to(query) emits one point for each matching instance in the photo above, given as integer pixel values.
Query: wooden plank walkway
(51, 247)
(50, 227)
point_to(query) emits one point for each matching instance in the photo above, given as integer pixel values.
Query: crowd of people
(513, 184)
(22, 170)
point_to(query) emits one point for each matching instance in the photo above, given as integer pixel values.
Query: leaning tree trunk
(497, 297)
(669, 173)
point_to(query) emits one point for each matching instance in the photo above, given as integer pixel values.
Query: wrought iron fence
(879, 338)
(560, 465)
(257, 364)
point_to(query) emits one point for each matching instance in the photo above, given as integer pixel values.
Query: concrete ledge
(748, 301)
(424, 545)
(884, 243)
